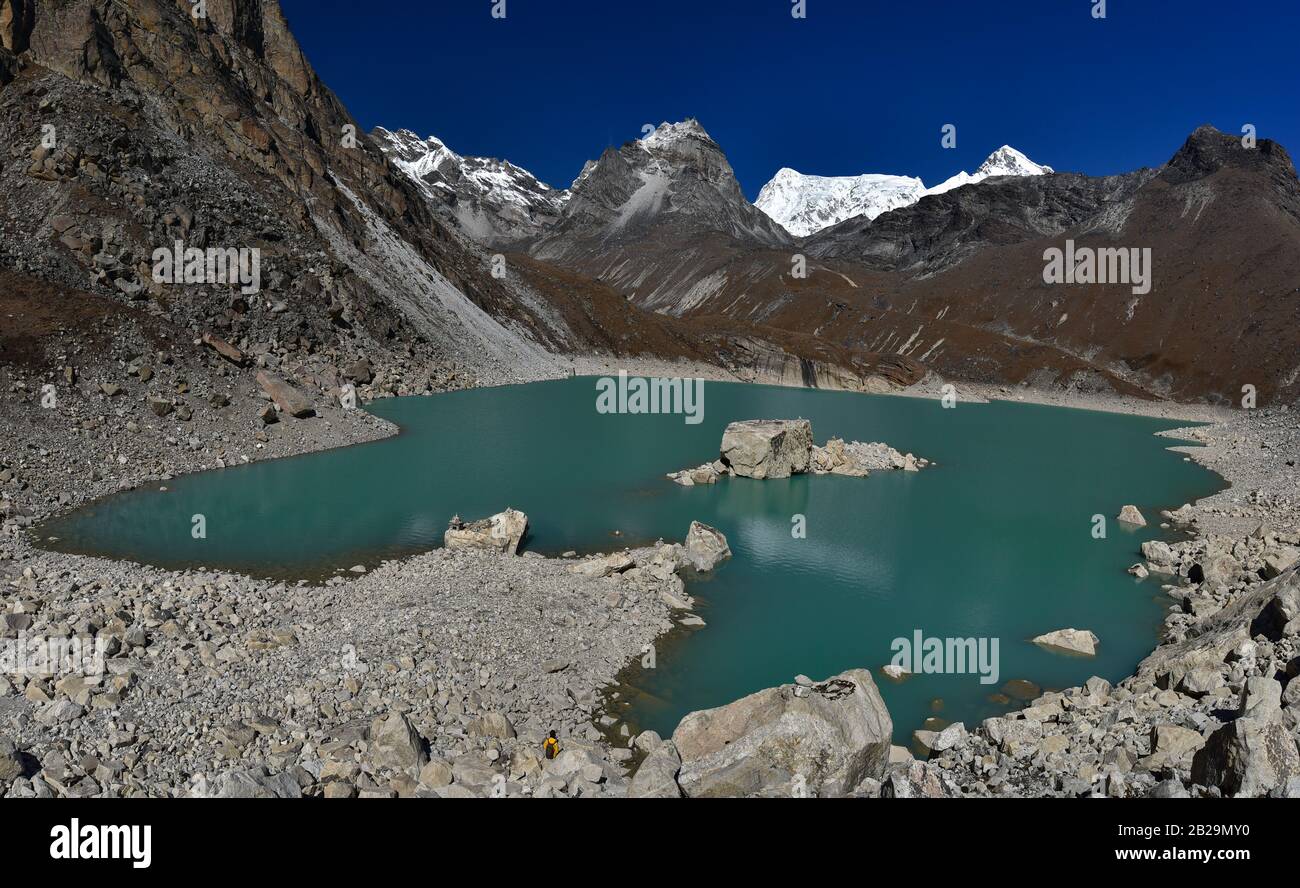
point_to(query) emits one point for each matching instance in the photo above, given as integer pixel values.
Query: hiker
(551, 746)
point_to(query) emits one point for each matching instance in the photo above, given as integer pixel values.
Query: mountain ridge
(806, 204)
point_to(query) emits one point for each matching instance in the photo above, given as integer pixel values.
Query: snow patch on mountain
(493, 201)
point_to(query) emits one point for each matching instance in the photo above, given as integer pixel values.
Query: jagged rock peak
(1208, 150)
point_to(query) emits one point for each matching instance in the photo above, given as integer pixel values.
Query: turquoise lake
(994, 542)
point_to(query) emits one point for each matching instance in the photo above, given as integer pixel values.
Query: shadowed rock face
(823, 738)
(941, 230)
(767, 448)
(218, 132)
(16, 19)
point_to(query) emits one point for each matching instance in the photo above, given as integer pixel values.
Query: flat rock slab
(1071, 641)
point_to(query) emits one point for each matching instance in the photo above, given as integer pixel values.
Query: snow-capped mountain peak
(493, 201)
(1007, 161)
(804, 204)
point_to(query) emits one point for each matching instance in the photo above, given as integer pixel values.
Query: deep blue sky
(859, 86)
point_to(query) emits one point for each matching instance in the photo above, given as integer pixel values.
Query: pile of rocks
(779, 448)
(435, 676)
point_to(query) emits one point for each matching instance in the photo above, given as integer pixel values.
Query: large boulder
(1131, 515)
(768, 448)
(824, 738)
(1071, 641)
(1216, 567)
(657, 776)
(253, 783)
(500, 533)
(285, 396)
(394, 743)
(1271, 609)
(705, 546)
(1278, 563)
(604, 565)
(1248, 757)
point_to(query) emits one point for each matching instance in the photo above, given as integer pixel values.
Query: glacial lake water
(994, 542)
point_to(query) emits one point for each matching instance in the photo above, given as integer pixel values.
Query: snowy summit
(804, 204)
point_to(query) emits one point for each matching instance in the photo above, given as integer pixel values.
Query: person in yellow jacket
(551, 746)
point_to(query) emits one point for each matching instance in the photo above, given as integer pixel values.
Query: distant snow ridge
(492, 200)
(804, 205)
(1006, 161)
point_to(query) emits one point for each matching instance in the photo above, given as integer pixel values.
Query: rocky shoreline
(440, 674)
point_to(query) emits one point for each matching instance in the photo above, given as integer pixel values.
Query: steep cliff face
(493, 202)
(217, 132)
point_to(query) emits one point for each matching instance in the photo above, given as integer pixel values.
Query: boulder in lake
(500, 533)
(767, 448)
(705, 546)
(1073, 641)
(824, 739)
(285, 396)
(1131, 515)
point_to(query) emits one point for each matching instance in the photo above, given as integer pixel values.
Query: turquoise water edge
(995, 542)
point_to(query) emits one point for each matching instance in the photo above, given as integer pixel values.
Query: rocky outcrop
(1251, 756)
(824, 738)
(767, 448)
(1131, 515)
(656, 778)
(856, 459)
(500, 533)
(779, 448)
(705, 546)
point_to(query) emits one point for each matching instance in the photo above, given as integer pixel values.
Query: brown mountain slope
(956, 281)
(216, 133)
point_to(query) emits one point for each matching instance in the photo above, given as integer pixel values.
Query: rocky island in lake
(780, 448)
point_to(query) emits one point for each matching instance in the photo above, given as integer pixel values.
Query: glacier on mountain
(804, 205)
